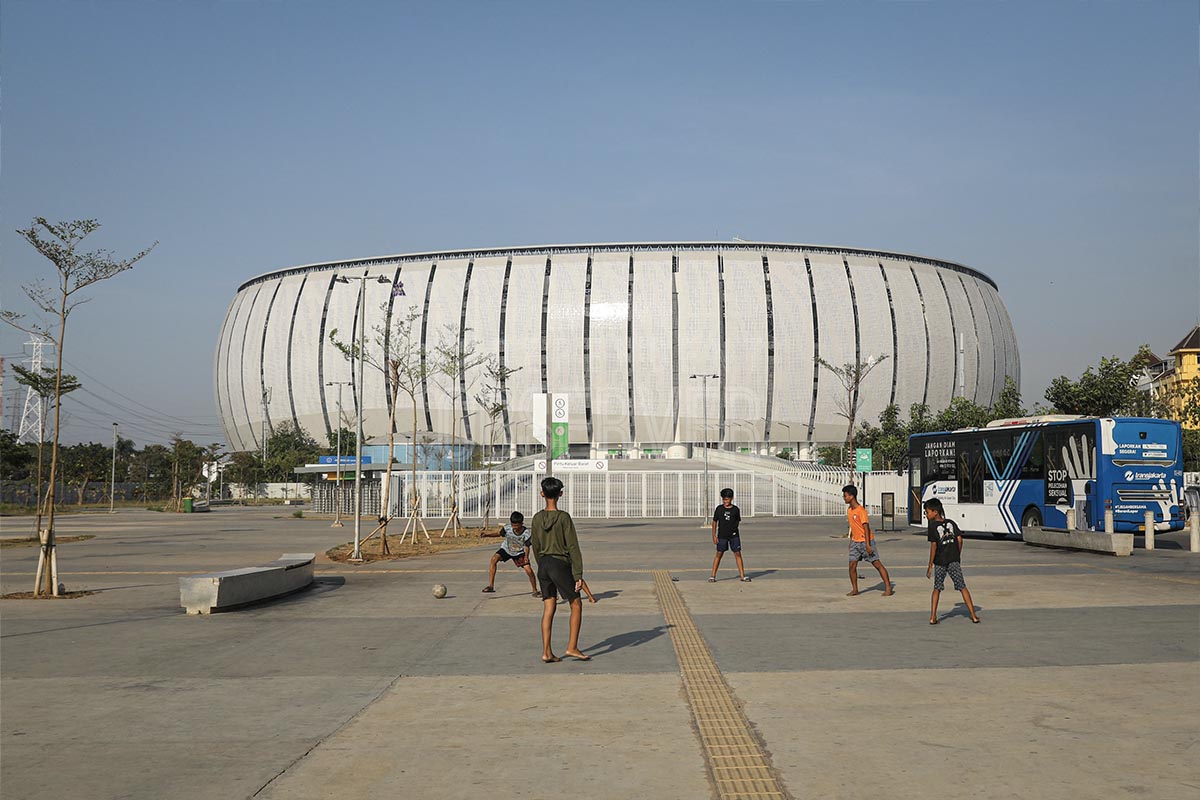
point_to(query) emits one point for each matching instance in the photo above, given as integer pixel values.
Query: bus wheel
(1032, 518)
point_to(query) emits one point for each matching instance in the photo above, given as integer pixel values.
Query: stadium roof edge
(550, 249)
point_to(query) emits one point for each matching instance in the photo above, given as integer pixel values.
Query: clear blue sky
(1051, 145)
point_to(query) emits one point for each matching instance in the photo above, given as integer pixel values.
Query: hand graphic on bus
(1165, 506)
(1080, 462)
(1078, 459)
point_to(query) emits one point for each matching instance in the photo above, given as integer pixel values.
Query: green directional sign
(862, 459)
(559, 439)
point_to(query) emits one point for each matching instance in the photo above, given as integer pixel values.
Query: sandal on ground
(976, 620)
(745, 580)
(711, 579)
(488, 590)
(933, 622)
(535, 594)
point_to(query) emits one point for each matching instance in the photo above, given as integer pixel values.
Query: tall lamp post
(356, 555)
(337, 492)
(112, 483)
(703, 378)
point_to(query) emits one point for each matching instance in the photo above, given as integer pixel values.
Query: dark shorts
(733, 543)
(518, 561)
(955, 570)
(858, 552)
(554, 576)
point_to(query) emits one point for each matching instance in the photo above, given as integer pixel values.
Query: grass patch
(470, 537)
(32, 596)
(32, 541)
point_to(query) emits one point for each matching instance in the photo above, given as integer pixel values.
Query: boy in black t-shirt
(945, 554)
(725, 534)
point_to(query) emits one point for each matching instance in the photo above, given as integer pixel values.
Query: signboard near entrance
(573, 465)
(862, 459)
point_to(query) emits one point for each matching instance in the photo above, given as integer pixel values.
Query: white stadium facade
(619, 329)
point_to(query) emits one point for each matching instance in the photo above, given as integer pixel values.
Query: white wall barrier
(616, 494)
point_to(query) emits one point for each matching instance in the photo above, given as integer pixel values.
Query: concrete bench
(221, 591)
(1118, 544)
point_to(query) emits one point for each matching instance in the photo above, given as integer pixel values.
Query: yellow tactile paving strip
(740, 768)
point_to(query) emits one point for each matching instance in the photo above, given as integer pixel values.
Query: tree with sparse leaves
(456, 359)
(491, 400)
(851, 375)
(398, 353)
(76, 271)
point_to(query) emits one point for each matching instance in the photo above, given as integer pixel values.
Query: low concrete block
(221, 591)
(1118, 544)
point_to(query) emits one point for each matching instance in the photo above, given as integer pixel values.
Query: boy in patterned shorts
(862, 542)
(945, 554)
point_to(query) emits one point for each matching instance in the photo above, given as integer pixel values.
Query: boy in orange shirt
(862, 542)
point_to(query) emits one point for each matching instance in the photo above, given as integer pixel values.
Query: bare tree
(495, 377)
(851, 376)
(397, 353)
(455, 361)
(59, 242)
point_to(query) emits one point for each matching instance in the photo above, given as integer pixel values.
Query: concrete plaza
(1081, 680)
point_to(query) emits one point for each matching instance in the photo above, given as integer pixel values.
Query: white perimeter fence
(624, 494)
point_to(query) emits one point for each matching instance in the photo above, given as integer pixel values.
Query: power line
(161, 414)
(139, 414)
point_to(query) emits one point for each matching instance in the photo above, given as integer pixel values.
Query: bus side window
(1035, 465)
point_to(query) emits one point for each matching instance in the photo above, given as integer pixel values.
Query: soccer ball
(439, 590)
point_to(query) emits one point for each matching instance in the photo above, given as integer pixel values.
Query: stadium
(620, 329)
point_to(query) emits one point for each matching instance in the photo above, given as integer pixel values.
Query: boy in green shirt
(560, 568)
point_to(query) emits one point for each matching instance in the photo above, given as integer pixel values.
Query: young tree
(50, 388)
(495, 377)
(851, 376)
(396, 352)
(1101, 391)
(59, 243)
(456, 359)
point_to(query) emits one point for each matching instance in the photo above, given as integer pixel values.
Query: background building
(1167, 377)
(619, 328)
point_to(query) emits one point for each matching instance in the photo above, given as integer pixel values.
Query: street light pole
(356, 555)
(337, 491)
(704, 388)
(112, 483)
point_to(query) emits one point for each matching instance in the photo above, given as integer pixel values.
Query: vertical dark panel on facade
(425, 366)
(262, 353)
(629, 373)
(721, 311)
(291, 334)
(587, 346)
(895, 337)
(462, 350)
(674, 344)
(925, 321)
(816, 327)
(321, 355)
(241, 301)
(770, 349)
(545, 321)
(387, 347)
(974, 327)
(246, 335)
(857, 336)
(953, 335)
(503, 370)
(1001, 345)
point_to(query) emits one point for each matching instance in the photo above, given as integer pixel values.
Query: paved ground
(1081, 681)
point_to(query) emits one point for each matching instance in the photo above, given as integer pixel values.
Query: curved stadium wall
(620, 328)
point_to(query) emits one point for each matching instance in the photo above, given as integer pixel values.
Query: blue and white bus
(1027, 472)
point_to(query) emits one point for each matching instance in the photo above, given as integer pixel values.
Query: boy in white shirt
(515, 549)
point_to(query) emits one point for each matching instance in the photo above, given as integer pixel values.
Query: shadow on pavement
(630, 639)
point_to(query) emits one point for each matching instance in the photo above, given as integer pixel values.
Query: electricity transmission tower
(31, 416)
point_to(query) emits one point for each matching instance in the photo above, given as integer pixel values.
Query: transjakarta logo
(944, 490)
(1130, 475)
